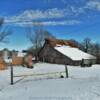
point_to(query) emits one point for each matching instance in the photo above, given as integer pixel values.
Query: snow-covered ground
(82, 84)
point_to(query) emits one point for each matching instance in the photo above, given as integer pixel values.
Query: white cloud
(38, 14)
(47, 23)
(77, 10)
(27, 17)
(65, 22)
(70, 12)
(51, 15)
(94, 4)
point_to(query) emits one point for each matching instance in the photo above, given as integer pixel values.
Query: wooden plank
(25, 75)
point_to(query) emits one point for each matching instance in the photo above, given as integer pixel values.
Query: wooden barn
(63, 52)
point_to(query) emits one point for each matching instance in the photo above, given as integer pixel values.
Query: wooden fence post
(66, 70)
(11, 74)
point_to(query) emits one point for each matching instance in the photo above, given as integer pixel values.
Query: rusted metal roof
(57, 42)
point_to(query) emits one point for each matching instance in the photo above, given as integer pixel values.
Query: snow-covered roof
(74, 53)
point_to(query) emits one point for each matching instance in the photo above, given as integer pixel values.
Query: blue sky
(66, 19)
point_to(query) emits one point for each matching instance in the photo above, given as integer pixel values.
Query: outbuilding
(64, 52)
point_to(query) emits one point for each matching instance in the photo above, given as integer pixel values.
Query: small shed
(63, 52)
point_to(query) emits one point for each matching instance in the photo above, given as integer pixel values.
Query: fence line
(39, 74)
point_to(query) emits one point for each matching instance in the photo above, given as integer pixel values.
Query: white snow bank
(82, 84)
(39, 68)
(74, 53)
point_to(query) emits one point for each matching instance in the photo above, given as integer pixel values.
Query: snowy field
(82, 84)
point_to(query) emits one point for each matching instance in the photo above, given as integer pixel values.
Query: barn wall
(49, 54)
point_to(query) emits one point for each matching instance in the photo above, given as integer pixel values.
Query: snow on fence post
(66, 71)
(11, 74)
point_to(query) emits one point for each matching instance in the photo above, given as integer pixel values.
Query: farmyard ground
(82, 84)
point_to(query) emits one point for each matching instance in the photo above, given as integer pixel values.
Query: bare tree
(47, 34)
(87, 44)
(95, 49)
(3, 32)
(36, 35)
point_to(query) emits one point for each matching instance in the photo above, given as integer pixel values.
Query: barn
(63, 52)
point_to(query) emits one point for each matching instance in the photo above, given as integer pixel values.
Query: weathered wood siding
(49, 54)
